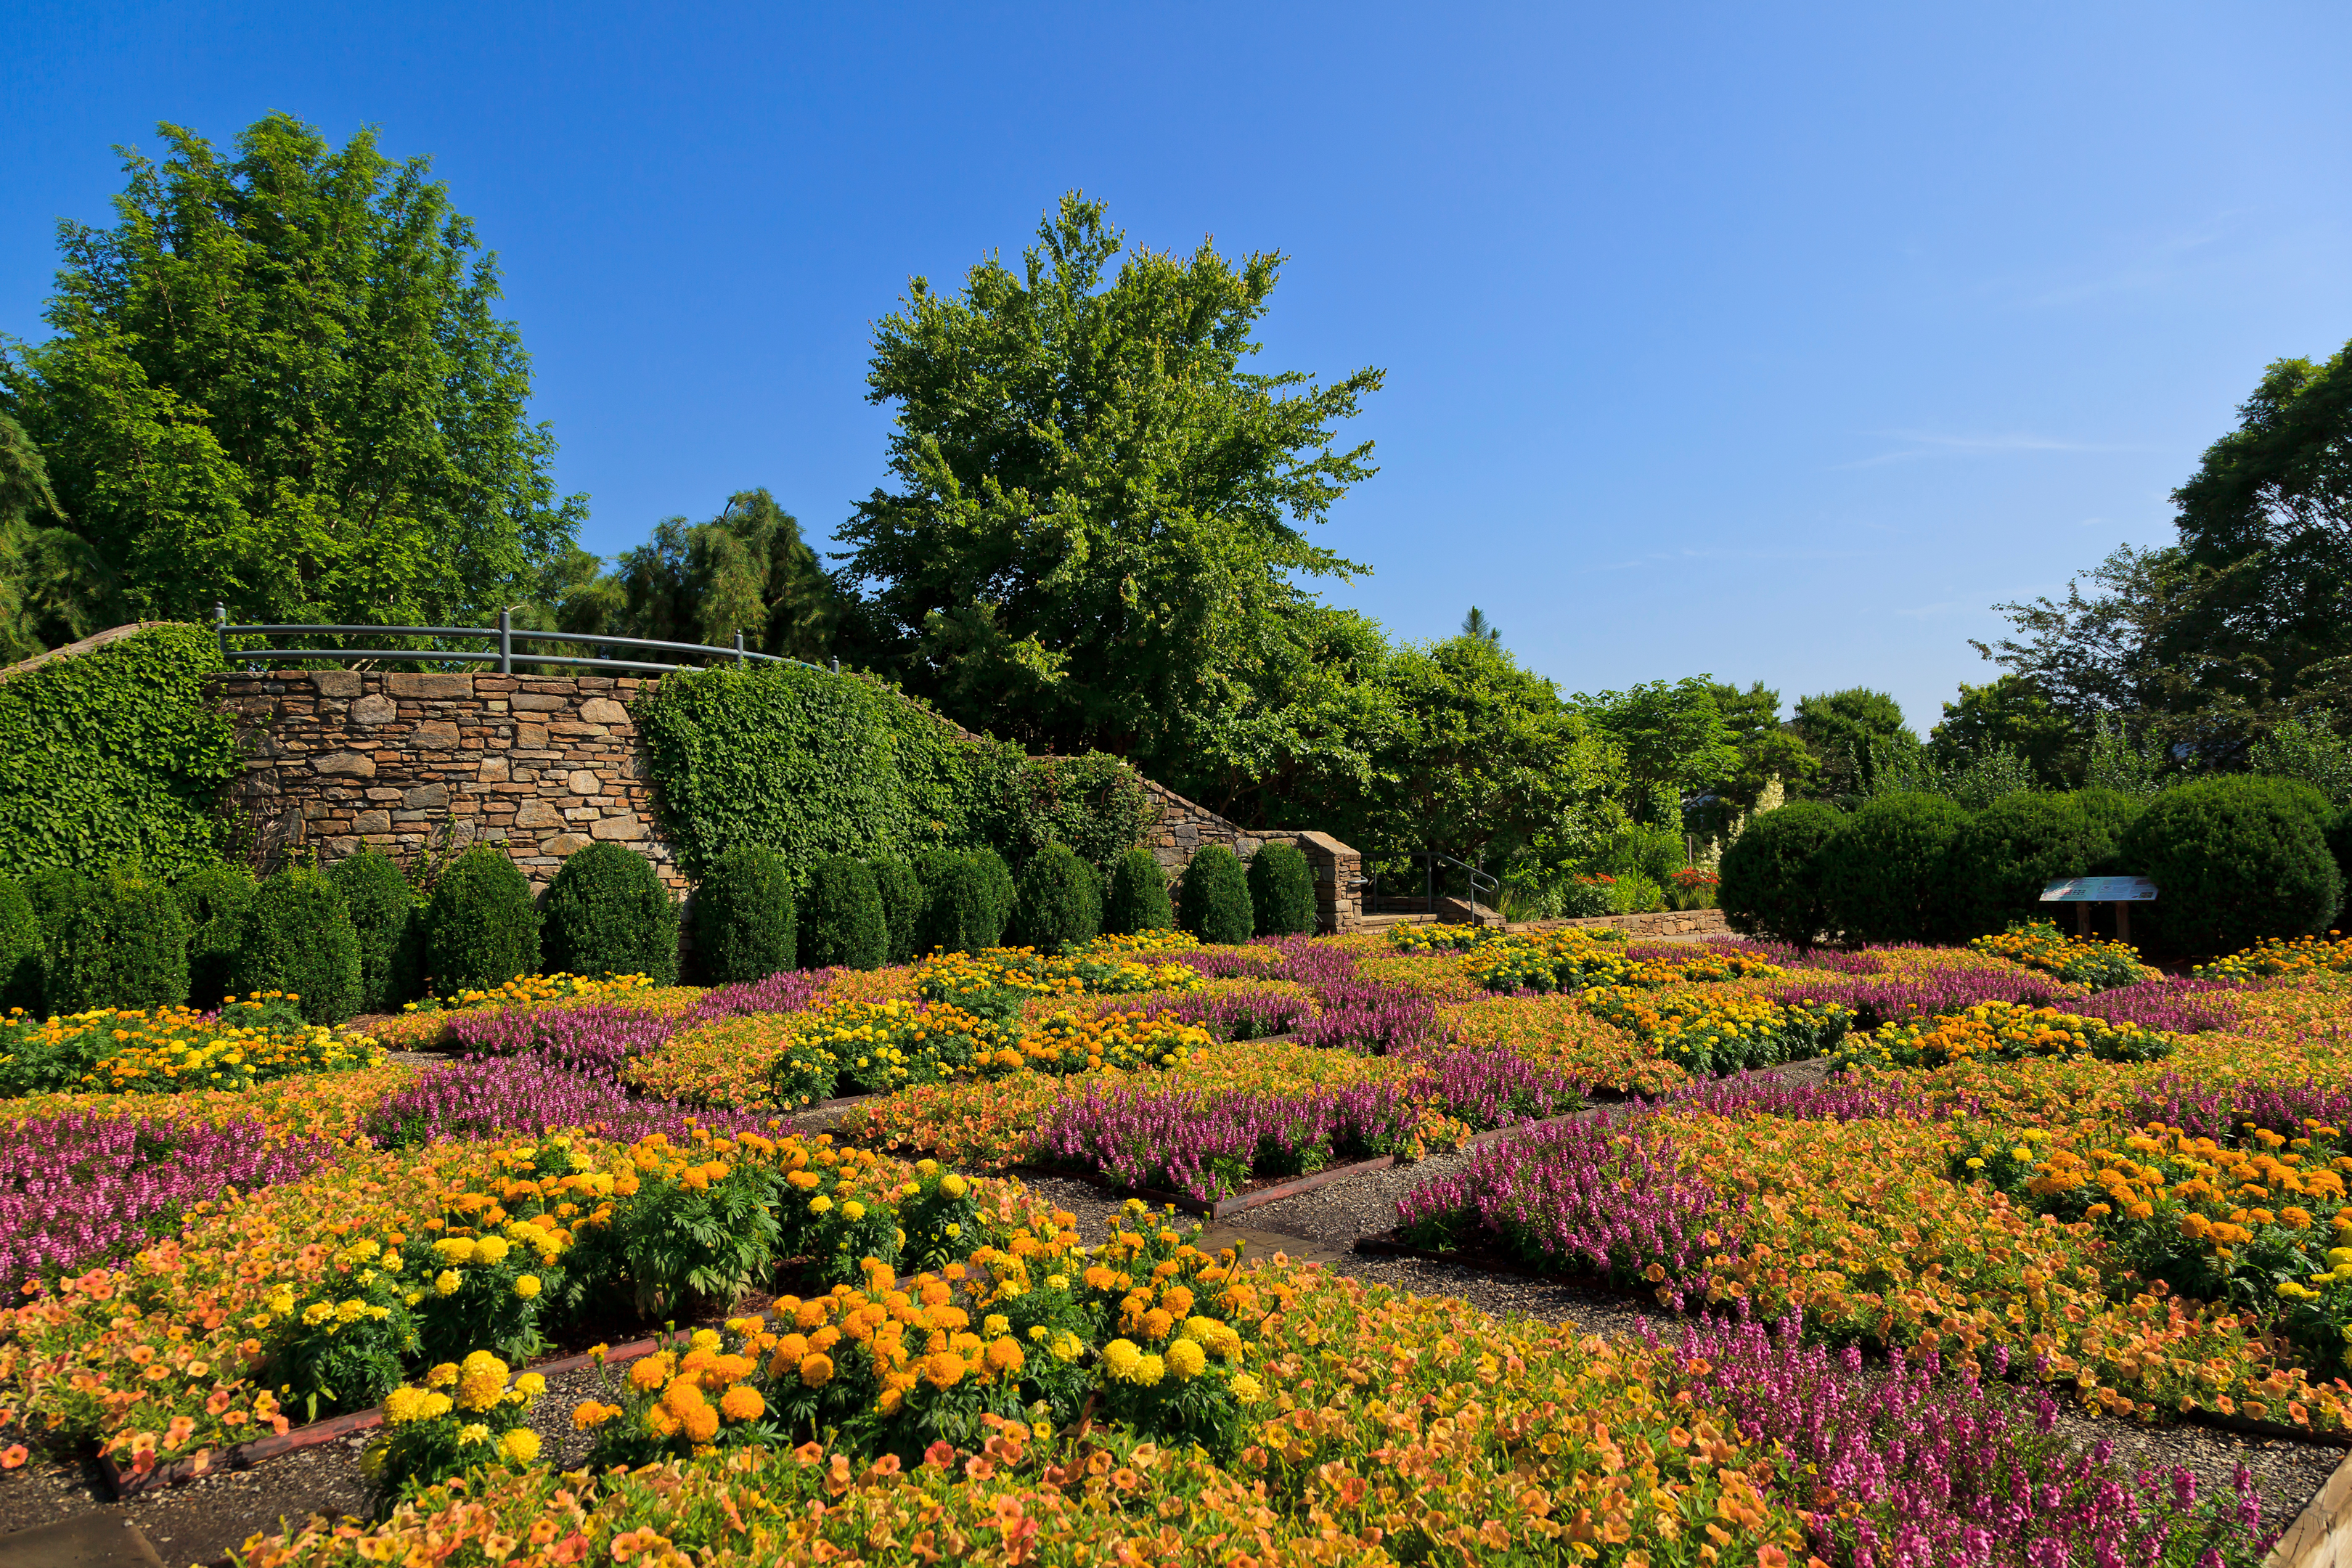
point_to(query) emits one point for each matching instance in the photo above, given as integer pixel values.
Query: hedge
(1060, 902)
(1889, 877)
(1137, 897)
(214, 898)
(609, 912)
(124, 945)
(20, 949)
(383, 907)
(113, 756)
(296, 936)
(482, 930)
(1770, 876)
(902, 904)
(1282, 890)
(999, 895)
(840, 921)
(955, 913)
(2015, 848)
(2234, 860)
(743, 927)
(1213, 902)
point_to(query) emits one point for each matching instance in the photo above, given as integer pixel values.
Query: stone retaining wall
(1661, 922)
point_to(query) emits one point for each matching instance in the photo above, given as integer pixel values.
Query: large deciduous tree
(746, 569)
(1100, 514)
(279, 381)
(1848, 732)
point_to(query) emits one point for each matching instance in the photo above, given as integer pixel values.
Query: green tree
(1098, 515)
(2308, 748)
(745, 569)
(1848, 732)
(1477, 624)
(1674, 741)
(279, 382)
(51, 582)
(2009, 714)
(1767, 748)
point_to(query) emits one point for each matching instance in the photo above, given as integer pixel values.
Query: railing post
(836, 664)
(506, 642)
(220, 624)
(741, 662)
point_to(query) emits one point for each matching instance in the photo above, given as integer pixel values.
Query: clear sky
(1770, 341)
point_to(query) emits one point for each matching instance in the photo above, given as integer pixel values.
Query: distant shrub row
(358, 938)
(2234, 860)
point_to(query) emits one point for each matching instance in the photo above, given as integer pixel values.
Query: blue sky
(1778, 343)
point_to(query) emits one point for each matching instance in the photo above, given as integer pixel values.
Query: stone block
(618, 829)
(583, 781)
(493, 770)
(336, 682)
(374, 709)
(371, 821)
(537, 814)
(530, 737)
(577, 731)
(603, 711)
(426, 797)
(347, 765)
(433, 735)
(564, 844)
(537, 702)
(441, 687)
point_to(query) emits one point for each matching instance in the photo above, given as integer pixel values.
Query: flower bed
(2003, 1031)
(1707, 1035)
(2330, 955)
(173, 1050)
(2078, 961)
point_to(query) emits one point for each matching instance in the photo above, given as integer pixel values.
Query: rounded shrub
(1138, 899)
(1060, 902)
(1002, 896)
(841, 919)
(1213, 903)
(214, 900)
(20, 949)
(1281, 890)
(480, 930)
(609, 912)
(2233, 859)
(1770, 876)
(902, 904)
(296, 936)
(2115, 812)
(2339, 843)
(2013, 848)
(743, 925)
(954, 916)
(125, 944)
(1888, 876)
(383, 907)
(55, 893)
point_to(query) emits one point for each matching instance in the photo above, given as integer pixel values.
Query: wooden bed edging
(245, 1455)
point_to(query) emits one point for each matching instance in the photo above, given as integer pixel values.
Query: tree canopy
(279, 381)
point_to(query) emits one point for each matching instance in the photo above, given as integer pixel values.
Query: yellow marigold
(442, 1376)
(1245, 1388)
(1149, 1371)
(521, 1446)
(816, 1369)
(455, 1249)
(944, 1369)
(742, 1403)
(1004, 1357)
(446, 1283)
(403, 1405)
(1186, 1358)
(531, 1385)
(491, 1250)
(1121, 1356)
(650, 1374)
(526, 1286)
(473, 1432)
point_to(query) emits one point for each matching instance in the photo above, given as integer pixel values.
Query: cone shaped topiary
(2234, 860)
(55, 892)
(1213, 903)
(214, 900)
(841, 919)
(480, 930)
(296, 936)
(954, 916)
(743, 927)
(609, 912)
(1060, 904)
(1282, 890)
(996, 883)
(125, 944)
(1770, 876)
(1138, 899)
(902, 904)
(383, 907)
(20, 950)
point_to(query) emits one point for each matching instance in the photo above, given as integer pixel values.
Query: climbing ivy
(115, 755)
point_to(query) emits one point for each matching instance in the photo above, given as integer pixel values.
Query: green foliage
(2011, 716)
(214, 898)
(50, 580)
(1138, 898)
(296, 936)
(124, 945)
(1887, 877)
(609, 912)
(2115, 812)
(1847, 731)
(56, 892)
(1674, 741)
(1094, 802)
(2234, 860)
(743, 925)
(2339, 843)
(20, 950)
(1282, 890)
(841, 919)
(686, 1247)
(279, 382)
(114, 755)
(1098, 513)
(2306, 748)
(1767, 749)
(745, 569)
(1060, 902)
(480, 931)
(383, 907)
(2015, 848)
(1000, 896)
(1213, 901)
(902, 904)
(957, 903)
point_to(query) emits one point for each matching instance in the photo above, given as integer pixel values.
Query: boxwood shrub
(1002, 896)
(2234, 860)
(124, 945)
(1887, 876)
(954, 914)
(743, 924)
(383, 907)
(2015, 846)
(1771, 874)
(1213, 902)
(20, 949)
(841, 919)
(2339, 843)
(480, 931)
(609, 912)
(1282, 890)
(296, 936)
(1137, 897)
(902, 904)
(1060, 902)
(214, 900)
(56, 892)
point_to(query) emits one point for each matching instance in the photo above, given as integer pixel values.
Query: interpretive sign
(2099, 890)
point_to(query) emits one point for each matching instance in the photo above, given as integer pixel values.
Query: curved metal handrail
(504, 636)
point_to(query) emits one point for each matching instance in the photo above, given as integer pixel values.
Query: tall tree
(2010, 715)
(1099, 515)
(1674, 740)
(1847, 731)
(279, 381)
(1477, 624)
(51, 583)
(1767, 750)
(745, 570)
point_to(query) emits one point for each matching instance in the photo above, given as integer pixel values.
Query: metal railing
(503, 654)
(1481, 883)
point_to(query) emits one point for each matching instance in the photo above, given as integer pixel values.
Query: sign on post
(2084, 891)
